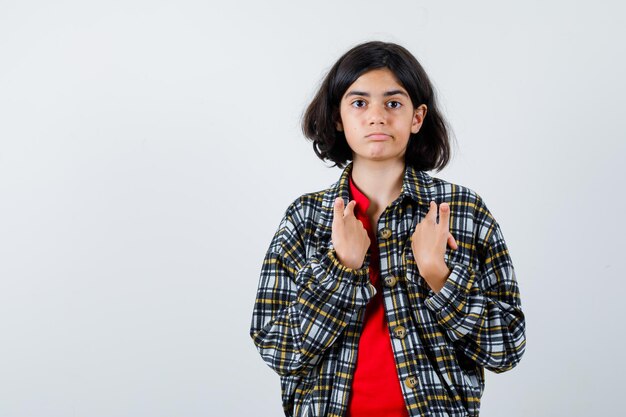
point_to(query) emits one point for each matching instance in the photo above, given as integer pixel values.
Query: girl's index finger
(432, 212)
(349, 210)
(338, 210)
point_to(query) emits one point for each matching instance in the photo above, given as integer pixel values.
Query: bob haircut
(427, 149)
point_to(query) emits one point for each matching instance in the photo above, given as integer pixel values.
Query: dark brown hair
(427, 150)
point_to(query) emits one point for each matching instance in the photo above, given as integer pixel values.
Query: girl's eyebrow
(386, 94)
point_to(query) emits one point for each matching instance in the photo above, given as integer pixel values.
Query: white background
(149, 149)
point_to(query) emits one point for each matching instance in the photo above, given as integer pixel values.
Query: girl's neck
(381, 182)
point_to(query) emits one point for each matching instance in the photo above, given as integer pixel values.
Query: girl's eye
(358, 103)
(394, 104)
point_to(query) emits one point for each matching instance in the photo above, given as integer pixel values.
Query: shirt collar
(415, 186)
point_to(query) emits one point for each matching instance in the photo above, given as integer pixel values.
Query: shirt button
(390, 281)
(385, 233)
(399, 332)
(411, 382)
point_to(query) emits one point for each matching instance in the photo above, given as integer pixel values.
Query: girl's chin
(378, 157)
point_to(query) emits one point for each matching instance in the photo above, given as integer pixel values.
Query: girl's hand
(429, 241)
(349, 237)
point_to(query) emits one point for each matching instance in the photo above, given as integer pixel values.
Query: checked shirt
(309, 308)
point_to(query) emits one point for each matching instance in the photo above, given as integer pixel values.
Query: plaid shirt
(309, 308)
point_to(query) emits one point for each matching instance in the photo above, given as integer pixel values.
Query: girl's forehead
(376, 80)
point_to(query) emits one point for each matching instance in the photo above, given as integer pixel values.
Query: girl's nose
(377, 115)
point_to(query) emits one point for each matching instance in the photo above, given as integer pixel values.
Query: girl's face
(377, 117)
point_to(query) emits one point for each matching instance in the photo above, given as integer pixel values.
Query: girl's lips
(378, 136)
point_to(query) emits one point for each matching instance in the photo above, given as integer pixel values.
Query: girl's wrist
(436, 276)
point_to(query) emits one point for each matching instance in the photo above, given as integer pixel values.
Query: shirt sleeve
(480, 310)
(303, 303)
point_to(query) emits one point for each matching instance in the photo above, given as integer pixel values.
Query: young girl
(388, 293)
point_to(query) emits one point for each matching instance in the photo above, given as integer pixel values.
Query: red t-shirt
(376, 389)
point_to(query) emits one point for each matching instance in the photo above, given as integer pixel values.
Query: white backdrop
(148, 150)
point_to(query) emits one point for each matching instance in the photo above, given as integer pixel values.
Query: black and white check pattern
(309, 308)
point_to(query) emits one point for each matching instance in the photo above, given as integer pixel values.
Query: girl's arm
(480, 310)
(303, 303)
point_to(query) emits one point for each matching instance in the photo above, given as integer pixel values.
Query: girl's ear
(418, 118)
(339, 126)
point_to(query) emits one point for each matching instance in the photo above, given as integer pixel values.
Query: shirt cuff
(454, 291)
(342, 272)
